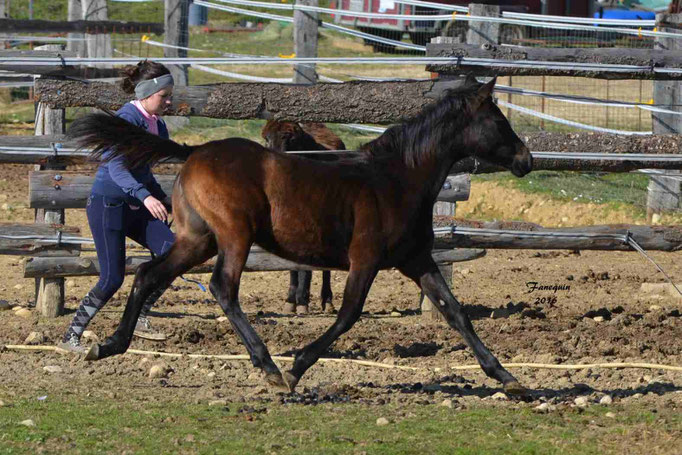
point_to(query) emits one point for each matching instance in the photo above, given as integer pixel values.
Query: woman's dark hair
(146, 69)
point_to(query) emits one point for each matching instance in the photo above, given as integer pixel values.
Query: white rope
(455, 17)
(46, 39)
(243, 77)
(581, 20)
(440, 6)
(327, 25)
(562, 121)
(538, 17)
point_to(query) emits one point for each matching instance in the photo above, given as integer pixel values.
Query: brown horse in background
(291, 136)
(359, 214)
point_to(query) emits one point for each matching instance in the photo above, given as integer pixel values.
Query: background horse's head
(490, 137)
(283, 136)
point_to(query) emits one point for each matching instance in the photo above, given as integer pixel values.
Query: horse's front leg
(326, 295)
(290, 307)
(426, 274)
(303, 292)
(357, 287)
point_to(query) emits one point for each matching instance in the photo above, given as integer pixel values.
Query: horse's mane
(418, 138)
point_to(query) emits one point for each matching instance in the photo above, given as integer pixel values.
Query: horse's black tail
(106, 133)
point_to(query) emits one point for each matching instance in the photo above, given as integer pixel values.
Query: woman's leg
(156, 236)
(106, 223)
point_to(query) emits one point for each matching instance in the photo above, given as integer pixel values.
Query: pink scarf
(151, 118)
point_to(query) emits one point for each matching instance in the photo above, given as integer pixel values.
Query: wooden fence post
(49, 291)
(76, 13)
(664, 192)
(98, 45)
(305, 42)
(176, 25)
(4, 14)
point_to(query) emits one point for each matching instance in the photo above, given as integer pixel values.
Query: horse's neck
(428, 176)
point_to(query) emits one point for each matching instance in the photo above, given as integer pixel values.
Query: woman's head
(151, 83)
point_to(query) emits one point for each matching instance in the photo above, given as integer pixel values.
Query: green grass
(616, 190)
(95, 425)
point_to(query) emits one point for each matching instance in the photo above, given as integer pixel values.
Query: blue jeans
(111, 221)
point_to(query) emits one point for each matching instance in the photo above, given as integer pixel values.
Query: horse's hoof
(276, 381)
(514, 388)
(290, 308)
(290, 380)
(93, 353)
(301, 309)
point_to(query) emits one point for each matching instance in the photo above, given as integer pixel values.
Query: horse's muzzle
(523, 162)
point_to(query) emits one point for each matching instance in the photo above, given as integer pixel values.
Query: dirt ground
(598, 314)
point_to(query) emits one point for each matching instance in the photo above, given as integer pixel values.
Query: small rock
(4, 305)
(610, 415)
(34, 338)
(23, 313)
(217, 403)
(2, 404)
(189, 438)
(255, 376)
(18, 286)
(606, 400)
(581, 402)
(70, 284)
(396, 314)
(211, 374)
(382, 421)
(6, 206)
(636, 396)
(598, 319)
(500, 396)
(159, 370)
(27, 423)
(52, 369)
(90, 335)
(447, 403)
(221, 319)
(653, 308)
(656, 218)
(543, 408)
(465, 271)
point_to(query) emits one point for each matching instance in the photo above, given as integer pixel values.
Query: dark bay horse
(359, 214)
(293, 136)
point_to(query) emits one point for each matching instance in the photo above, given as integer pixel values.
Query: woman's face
(159, 101)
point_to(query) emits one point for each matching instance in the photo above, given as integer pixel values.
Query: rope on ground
(368, 363)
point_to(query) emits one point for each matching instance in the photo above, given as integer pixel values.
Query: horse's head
(283, 136)
(490, 137)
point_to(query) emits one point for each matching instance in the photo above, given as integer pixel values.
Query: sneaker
(72, 343)
(143, 329)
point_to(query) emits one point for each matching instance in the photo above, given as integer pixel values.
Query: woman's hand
(156, 208)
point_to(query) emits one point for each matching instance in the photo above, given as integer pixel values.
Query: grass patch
(97, 425)
(616, 190)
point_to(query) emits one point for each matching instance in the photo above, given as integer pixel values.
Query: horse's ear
(483, 93)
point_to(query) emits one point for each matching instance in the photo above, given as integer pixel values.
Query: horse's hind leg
(427, 276)
(225, 287)
(326, 295)
(151, 280)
